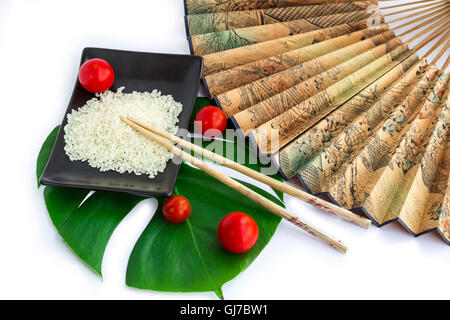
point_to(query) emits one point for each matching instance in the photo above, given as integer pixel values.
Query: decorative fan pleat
(336, 101)
(225, 60)
(290, 97)
(321, 135)
(219, 41)
(255, 82)
(318, 173)
(208, 6)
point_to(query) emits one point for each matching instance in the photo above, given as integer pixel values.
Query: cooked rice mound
(95, 133)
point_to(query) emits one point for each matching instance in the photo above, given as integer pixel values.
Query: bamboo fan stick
(404, 4)
(423, 24)
(432, 17)
(447, 62)
(331, 208)
(443, 50)
(437, 45)
(415, 8)
(443, 7)
(430, 38)
(439, 23)
(283, 213)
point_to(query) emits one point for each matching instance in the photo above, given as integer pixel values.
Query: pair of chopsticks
(167, 140)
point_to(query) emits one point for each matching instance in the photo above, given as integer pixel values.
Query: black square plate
(177, 75)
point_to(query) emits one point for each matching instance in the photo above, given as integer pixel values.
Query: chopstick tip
(366, 223)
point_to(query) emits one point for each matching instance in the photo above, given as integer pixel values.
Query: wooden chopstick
(322, 204)
(266, 203)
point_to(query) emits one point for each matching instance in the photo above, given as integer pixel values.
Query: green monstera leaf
(87, 228)
(183, 257)
(188, 257)
(86, 225)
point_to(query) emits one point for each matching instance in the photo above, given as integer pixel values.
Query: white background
(40, 48)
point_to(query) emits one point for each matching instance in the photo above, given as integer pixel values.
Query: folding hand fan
(340, 96)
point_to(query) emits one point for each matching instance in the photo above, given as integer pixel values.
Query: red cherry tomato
(237, 232)
(96, 75)
(177, 209)
(210, 121)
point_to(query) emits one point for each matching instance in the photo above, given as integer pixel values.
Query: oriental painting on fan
(349, 97)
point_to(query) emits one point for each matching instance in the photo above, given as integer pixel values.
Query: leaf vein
(194, 241)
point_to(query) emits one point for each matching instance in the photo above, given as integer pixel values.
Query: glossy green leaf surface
(188, 257)
(87, 228)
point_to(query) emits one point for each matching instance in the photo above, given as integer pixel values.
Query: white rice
(95, 133)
